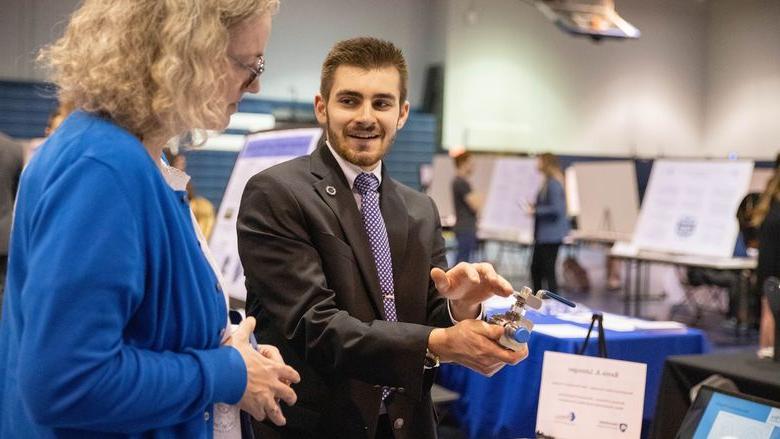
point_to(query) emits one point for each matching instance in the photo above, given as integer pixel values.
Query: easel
(602, 340)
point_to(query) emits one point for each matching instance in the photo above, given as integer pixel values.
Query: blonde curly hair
(152, 66)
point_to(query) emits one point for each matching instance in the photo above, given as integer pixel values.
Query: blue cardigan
(112, 317)
(551, 224)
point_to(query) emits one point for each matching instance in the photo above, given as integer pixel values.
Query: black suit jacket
(313, 286)
(11, 164)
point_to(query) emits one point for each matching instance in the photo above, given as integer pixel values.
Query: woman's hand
(268, 379)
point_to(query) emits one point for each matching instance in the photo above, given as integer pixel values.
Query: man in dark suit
(11, 163)
(345, 268)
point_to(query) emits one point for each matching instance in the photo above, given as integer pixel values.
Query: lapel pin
(330, 190)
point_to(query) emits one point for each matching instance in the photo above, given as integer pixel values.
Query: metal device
(517, 328)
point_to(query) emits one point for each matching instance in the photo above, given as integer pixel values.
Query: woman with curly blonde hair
(114, 320)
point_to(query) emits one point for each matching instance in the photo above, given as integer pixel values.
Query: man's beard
(356, 158)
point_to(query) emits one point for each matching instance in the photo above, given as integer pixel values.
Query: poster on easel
(608, 197)
(261, 151)
(690, 207)
(572, 192)
(515, 183)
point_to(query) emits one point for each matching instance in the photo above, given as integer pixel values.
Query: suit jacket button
(398, 424)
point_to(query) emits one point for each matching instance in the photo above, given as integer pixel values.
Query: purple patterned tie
(367, 185)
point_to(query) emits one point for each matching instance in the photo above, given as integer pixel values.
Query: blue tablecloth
(504, 406)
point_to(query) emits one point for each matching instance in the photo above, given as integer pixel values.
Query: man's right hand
(268, 379)
(474, 344)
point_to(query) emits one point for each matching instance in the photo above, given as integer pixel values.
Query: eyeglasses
(254, 71)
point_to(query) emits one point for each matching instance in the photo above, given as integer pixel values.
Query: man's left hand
(467, 285)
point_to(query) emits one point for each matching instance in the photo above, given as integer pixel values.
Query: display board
(608, 196)
(260, 151)
(441, 185)
(515, 181)
(690, 207)
(572, 192)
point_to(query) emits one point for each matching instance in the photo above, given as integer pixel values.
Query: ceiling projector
(596, 19)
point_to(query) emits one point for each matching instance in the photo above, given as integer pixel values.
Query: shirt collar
(351, 171)
(176, 178)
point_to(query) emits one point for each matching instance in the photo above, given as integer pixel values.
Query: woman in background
(114, 322)
(551, 224)
(766, 216)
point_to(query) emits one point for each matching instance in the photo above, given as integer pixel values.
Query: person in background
(766, 216)
(551, 224)
(11, 164)
(730, 280)
(55, 119)
(201, 206)
(115, 322)
(467, 205)
(345, 267)
(744, 218)
(203, 210)
(178, 161)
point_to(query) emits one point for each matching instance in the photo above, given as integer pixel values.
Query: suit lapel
(334, 189)
(396, 217)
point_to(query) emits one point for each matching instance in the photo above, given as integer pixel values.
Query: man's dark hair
(462, 158)
(367, 53)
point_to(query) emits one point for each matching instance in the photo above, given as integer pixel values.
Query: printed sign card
(590, 397)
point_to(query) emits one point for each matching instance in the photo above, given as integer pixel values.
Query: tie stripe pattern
(367, 186)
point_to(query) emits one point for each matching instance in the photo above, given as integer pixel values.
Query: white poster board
(590, 397)
(690, 207)
(260, 151)
(608, 197)
(441, 188)
(443, 174)
(515, 181)
(572, 192)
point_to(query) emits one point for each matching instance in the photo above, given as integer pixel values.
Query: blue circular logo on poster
(686, 226)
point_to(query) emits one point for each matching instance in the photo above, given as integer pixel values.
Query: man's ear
(403, 115)
(320, 109)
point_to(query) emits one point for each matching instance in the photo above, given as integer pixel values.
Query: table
(510, 255)
(639, 260)
(604, 237)
(504, 406)
(601, 238)
(751, 375)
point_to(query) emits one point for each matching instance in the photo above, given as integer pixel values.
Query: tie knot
(366, 183)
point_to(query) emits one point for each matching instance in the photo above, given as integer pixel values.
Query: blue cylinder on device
(522, 334)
